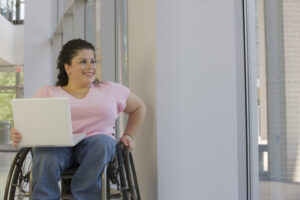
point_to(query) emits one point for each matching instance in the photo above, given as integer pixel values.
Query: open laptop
(44, 122)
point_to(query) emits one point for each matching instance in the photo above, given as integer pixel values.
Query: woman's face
(82, 70)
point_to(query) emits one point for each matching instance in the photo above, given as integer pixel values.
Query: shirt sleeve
(42, 93)
(122, 93)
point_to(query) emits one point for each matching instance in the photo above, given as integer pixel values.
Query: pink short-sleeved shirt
(97, 112)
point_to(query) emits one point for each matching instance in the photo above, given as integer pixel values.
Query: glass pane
(3, 7)
(14, 17)
(278, 104)
(3, 3)
(10, 9)
(22, 11)
(9, 90)
(5, 98)
(7, 79)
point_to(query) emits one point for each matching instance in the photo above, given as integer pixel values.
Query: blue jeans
(93, 153)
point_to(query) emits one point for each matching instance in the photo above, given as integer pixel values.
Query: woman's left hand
(128, 142)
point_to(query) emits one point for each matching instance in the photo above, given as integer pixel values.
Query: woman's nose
(89, 65)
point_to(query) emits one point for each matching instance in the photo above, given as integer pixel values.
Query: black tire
(135, 177)
(107, 188)
(9, 176)
(121, 171)
(131, 175)
(18, 180)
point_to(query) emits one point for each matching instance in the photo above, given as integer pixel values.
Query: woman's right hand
(15, 136)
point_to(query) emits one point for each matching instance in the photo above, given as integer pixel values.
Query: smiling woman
(82, 70)
(76, 57)
(94, 106)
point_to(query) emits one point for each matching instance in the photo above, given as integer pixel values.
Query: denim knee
(45, 163)
(52, 160)
(99, 145)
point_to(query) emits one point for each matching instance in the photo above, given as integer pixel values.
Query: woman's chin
(91, 80)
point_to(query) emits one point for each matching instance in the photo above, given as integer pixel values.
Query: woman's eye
(83, 61)
(93, 61)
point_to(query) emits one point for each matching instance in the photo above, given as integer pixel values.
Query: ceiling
(3, 62)
(6, 66)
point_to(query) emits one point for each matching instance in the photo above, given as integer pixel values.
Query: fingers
(128, 142)
(16, 140)
(16, 137)
(124, 141)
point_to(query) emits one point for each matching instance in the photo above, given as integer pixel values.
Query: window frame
(251, 99)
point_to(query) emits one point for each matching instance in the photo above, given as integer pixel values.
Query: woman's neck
(73, 87)
(75, 91)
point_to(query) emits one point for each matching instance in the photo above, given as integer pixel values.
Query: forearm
(135, 119)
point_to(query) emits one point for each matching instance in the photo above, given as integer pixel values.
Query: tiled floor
(271, 190)
(5, 161)
(268, 190)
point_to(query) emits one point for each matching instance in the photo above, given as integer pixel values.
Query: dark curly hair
(68, 51)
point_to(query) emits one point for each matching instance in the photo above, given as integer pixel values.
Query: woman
(94, 108)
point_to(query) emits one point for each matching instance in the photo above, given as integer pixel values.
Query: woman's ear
(67, 68)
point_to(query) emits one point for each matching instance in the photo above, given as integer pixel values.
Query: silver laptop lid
(43, 121)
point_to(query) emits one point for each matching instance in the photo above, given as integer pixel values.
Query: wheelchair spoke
(26, 194)
(18, 185)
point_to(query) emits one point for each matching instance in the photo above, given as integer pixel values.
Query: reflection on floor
(6, 159)
(271, 190)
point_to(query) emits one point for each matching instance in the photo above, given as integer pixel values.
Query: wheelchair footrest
(115, 196)
(66, 196)
(66, 186)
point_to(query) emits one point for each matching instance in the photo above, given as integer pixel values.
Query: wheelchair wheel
(127, 174)
(105, 184)
(121, 170)
(18, 185)
(131, 175)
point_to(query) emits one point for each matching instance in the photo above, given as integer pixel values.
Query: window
(11, 86)
(277, 83)
(13, 10)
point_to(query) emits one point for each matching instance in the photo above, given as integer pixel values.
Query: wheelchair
(119, 180)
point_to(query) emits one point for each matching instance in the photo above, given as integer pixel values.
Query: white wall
(141, 58)
(19, 44)
(12, 43)
(37, 63)
(6, 40)
(199, 52)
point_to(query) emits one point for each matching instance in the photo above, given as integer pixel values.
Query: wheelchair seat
(119, 179)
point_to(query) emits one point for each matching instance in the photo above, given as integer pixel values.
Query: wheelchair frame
(119, 179)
